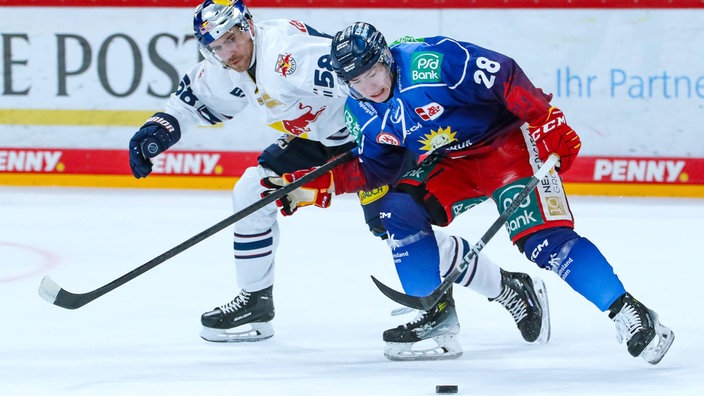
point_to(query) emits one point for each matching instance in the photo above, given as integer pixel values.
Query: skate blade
(542, 293)
(250, 332)
(446, 348)
(658, 347)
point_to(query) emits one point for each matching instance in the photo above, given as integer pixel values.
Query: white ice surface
(142, 338)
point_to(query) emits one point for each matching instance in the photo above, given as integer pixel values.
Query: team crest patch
(430, 111)
(387, 138)
(285, 65)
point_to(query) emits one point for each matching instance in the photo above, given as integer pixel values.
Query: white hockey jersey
(296, 90)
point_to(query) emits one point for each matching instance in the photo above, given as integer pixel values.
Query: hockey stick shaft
(427, 302)
(56, 295)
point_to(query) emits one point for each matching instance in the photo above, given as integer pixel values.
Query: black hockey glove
(160, 132)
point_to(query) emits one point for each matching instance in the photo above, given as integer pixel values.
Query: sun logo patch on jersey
(437, 139)
(285, 65)
(430, 111)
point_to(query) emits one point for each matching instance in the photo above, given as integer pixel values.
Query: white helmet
(214, 18)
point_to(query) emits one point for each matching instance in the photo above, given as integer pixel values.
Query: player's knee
(371, 206)
(399, 212)
(432, 206)
(547, 248)
(246, 190)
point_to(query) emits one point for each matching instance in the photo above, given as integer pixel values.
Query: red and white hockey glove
(553, 135)
(317, 192)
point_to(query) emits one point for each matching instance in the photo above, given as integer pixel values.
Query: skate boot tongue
(526, 300)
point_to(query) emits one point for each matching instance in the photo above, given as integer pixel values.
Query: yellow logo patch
(367, 197)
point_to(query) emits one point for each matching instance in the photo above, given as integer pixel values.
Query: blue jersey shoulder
(441, 60)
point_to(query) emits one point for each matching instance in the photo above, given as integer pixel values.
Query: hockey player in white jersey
(282, 69)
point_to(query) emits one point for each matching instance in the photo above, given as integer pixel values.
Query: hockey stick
(427, 302)
(54, 294)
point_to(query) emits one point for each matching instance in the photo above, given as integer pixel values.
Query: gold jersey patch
(367, 197)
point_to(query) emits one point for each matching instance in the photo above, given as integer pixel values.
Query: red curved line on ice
(50, 260)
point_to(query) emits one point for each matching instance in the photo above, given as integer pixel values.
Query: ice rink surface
(142, 338)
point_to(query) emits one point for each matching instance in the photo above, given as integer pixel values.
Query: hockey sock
(256, 237)
(417, 266)
(412, 242)
(481, 275)
(254, 258)
(578, 262)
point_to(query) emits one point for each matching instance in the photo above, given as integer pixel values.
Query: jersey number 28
(486, 66)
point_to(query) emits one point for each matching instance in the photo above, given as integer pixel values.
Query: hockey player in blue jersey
(484, 129)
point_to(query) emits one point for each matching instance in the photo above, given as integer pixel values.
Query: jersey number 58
(324, 78)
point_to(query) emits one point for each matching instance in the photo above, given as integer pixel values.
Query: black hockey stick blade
(53, 293)
(427, 302)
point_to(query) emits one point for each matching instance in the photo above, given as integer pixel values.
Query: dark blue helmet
(357, 49)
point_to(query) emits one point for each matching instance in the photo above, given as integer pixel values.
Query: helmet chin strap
(254, 43)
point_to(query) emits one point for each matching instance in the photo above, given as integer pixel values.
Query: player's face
(375, 84)
(234, 48)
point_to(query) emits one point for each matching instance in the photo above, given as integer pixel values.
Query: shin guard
(412, 243)
(578, 262)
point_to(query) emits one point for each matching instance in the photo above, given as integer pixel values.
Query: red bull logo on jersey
(285, 65)
(299, 126)
(430, 111)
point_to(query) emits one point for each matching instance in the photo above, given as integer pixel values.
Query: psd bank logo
(526, 215)
(425, 67)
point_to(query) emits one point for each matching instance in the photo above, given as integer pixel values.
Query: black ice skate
(439, 324)
(246, 318)
(527, 301)
(640, 328)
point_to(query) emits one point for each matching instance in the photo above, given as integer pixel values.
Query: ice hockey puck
(446, 389)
